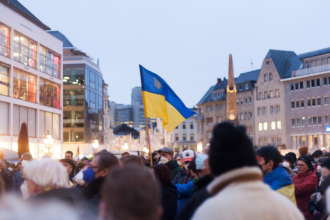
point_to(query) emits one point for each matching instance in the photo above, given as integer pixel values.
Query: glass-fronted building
(82, 99)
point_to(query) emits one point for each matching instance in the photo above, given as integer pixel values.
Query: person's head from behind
(288, 161)
(44, 175)
(192, 169)
(325, 170)
(125, 154)
(69, 155)
(269, 158)
(79, 167)
(101, 164)
(230, 149)
(68, 164)
(166, 154)
(130, 192)
(202, 164)
(304, 164)
(131, 159)
(303, 151)
(162, 173)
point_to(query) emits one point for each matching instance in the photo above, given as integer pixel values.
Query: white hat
(188, 155)
(200, 161)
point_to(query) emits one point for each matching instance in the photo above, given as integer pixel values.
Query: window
(242, 116)
(259, 111)
(298, 122)
(266, 95)
(4, 125)
(191, 125)
(313, 82)
(92, 80)
(271, 94)
(4, 76)
(265, 126)
(264, 110)
(302, 103)
(245, 101)
(250, 100)
(92, 99)
(325, 99)
(265, 77)
(292, 104)
(325, 81)
(184, 137)
(176, 137)
(49, 122)
(267, 62)
(279, 125)
(246, 86)
(240, 87)
(73, 119)
(312, 63)
(49, 62)
(218, 119)
(296, 86)
(309, 121)
(260, 126)
(308, 84)
(271, 109)
(241, 101)
(25, 51)
(293, 122)
(319, 120)
(306, 64)
(297, 104)
(309, 104)
(277, 93)
(292, 86)
(270, 76)
(209, 134)
(313, 102)
(74, 76)
(24, 86)
(49, 94)
(209, 121)
(301, 85)
(278, 109)
(184, 125)
(326, 119)
(314, 121)
(260, 95)
(218, 107)
(303, 121)
(4, 40)
(191, 137)
(318, 101)
(273, 125)
(27, 115)
(208, 108)
(250, 115)
(318, 83)
(279, 141)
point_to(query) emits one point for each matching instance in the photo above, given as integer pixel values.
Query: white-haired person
(48, 179)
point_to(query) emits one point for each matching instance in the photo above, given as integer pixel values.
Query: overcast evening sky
(186, 42)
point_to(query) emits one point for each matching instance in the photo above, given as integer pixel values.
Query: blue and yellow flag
(161, 102)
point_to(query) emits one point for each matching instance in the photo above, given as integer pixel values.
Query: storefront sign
(327, 129)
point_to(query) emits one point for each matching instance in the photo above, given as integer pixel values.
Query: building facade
(83, 99)
(31, 85)
(106, 116)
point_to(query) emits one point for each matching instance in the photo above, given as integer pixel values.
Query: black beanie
(230, 149)
(307, 161)
(270, 152)
(317, 153)
(326, 163)
(293, 155)
(289, 158)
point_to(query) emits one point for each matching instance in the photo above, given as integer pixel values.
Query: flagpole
(147, 129)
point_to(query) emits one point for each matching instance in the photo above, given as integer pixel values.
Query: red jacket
(304, 185)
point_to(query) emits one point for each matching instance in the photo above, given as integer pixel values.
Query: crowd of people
(228, 180)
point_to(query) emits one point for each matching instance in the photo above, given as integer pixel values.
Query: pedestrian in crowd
(19, 166)
(168, 191)
(275, 175)
(148, 164)
(316, 156)
(84, 160)
(325, 170)
(185, 176)
(5, 173)
(102, 163)
(238, 190)
(131, 159)
(288, 164)
(305, 183)
(25, 159)
(125, 154)
(294, 156)
(48, 179)
(132, 193)
(68, 164)
(178, 159)
(201, 193)
(69, 155)
(155, 157)
(166, 158)
(79, 167)
(317, 204)
(326, 154)
(303, 151)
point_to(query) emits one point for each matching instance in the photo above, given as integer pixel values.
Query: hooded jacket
(174, 168)
(304, 184)
(280, 181)
(168, 200)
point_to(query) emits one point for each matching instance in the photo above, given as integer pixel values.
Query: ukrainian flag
(161, 102)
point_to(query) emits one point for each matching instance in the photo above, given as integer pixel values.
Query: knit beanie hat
(317, 153)
(303, 151)
(326, 163)
(293, 155)
(270, 152)
(288, 158)
(230, 149)
(307, 160)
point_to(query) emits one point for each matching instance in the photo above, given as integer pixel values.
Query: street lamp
(49, 141)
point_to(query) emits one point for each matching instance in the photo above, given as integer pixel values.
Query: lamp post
(49, 141)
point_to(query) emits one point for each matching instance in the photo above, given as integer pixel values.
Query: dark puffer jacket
(174, 168)
(183, 177)
(169, 194)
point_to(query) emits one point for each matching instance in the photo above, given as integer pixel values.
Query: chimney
(219, 81)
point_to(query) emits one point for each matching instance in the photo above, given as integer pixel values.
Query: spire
(231, 94)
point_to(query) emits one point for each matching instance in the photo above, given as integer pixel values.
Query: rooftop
(63, 38)
(248, 76)
(314, 53)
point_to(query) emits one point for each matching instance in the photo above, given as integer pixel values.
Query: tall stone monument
(231, 94)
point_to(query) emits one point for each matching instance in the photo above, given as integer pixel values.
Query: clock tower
(231, 94)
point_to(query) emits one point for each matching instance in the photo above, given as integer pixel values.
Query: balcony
(199, 117)
(311, 70)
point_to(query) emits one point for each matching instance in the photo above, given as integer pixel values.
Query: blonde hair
(47, 173)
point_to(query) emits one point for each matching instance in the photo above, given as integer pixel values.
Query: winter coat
(168, 200)
(182, 177)
(316, 205)
(174, 168)
(62, 194)
(280, 181)
(184, 186)
(240, 194)
(7, 177)
(304, 184)
(197, 199)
